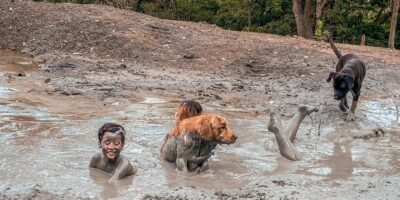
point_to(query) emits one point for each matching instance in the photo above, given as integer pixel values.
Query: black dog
(350, 72)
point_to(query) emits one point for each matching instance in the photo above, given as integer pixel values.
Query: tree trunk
(393, 23)
(137, 5)
(308, 11)
(249, 14)
(299, 17)
(249, 21)
(303, 18)
(362, 42)
(320, 6)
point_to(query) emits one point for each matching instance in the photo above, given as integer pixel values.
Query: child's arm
(123, 170)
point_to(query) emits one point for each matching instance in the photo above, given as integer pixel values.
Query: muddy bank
(94, 64)
(120, 53)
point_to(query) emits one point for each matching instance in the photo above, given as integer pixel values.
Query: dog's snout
(235, 137)
(338, 96)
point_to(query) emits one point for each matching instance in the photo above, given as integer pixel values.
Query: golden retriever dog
(190, 143)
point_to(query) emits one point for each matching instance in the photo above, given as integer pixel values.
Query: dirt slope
(133, 46)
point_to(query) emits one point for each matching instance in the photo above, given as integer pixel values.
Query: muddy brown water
(43, 147)
(13, 62)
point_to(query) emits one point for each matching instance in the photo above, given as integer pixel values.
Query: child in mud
(285, 137)
(112, 140)
(187, 109)
(172, 146)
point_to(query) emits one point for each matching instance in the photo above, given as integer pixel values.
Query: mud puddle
(15, 63)
(46, 149)
(383, 110)
(40, 146)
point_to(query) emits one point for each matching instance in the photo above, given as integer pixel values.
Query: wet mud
(136, 72)
(45, 148)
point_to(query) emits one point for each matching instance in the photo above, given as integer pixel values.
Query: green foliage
(232, 15)
(348, 20)
(285, 26)
(196, 10)
(274, 6)
(319, 29)
(320, 32)
(63, 1)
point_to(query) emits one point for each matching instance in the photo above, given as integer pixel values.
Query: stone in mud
(378, 132)
(190, 56)
(63, 65)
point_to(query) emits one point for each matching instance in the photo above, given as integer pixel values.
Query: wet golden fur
(189, 145)
(209, 127)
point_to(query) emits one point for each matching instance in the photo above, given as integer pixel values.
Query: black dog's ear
(349, 80)
(331, 75)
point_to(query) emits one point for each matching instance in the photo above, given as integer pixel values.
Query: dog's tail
(336, 50)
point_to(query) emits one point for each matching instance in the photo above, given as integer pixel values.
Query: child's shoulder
(97, 156)
(96, 160)
(123, 159)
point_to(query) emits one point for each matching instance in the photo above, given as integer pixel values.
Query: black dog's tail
(336, 50)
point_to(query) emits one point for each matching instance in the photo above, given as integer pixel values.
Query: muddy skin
(110, 160)
(190, 144)
(201, 142)
(109, 189)
(187, 109)
(205, 151)
(168, 148)
(189, 157)
(188, 151)
(286, 137)
(294, 123)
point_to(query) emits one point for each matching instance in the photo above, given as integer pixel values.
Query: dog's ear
(349, 80)
(331, 75)
(206, 131)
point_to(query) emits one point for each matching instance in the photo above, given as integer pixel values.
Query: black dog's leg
(343, 105)
(356, 95)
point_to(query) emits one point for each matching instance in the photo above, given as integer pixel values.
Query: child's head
(111, 139)
(187, 109)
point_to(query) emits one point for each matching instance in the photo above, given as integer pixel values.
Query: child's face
(111, 145)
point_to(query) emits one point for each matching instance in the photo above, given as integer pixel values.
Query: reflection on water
(383, 111)
(109, 189)
(4, 91)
